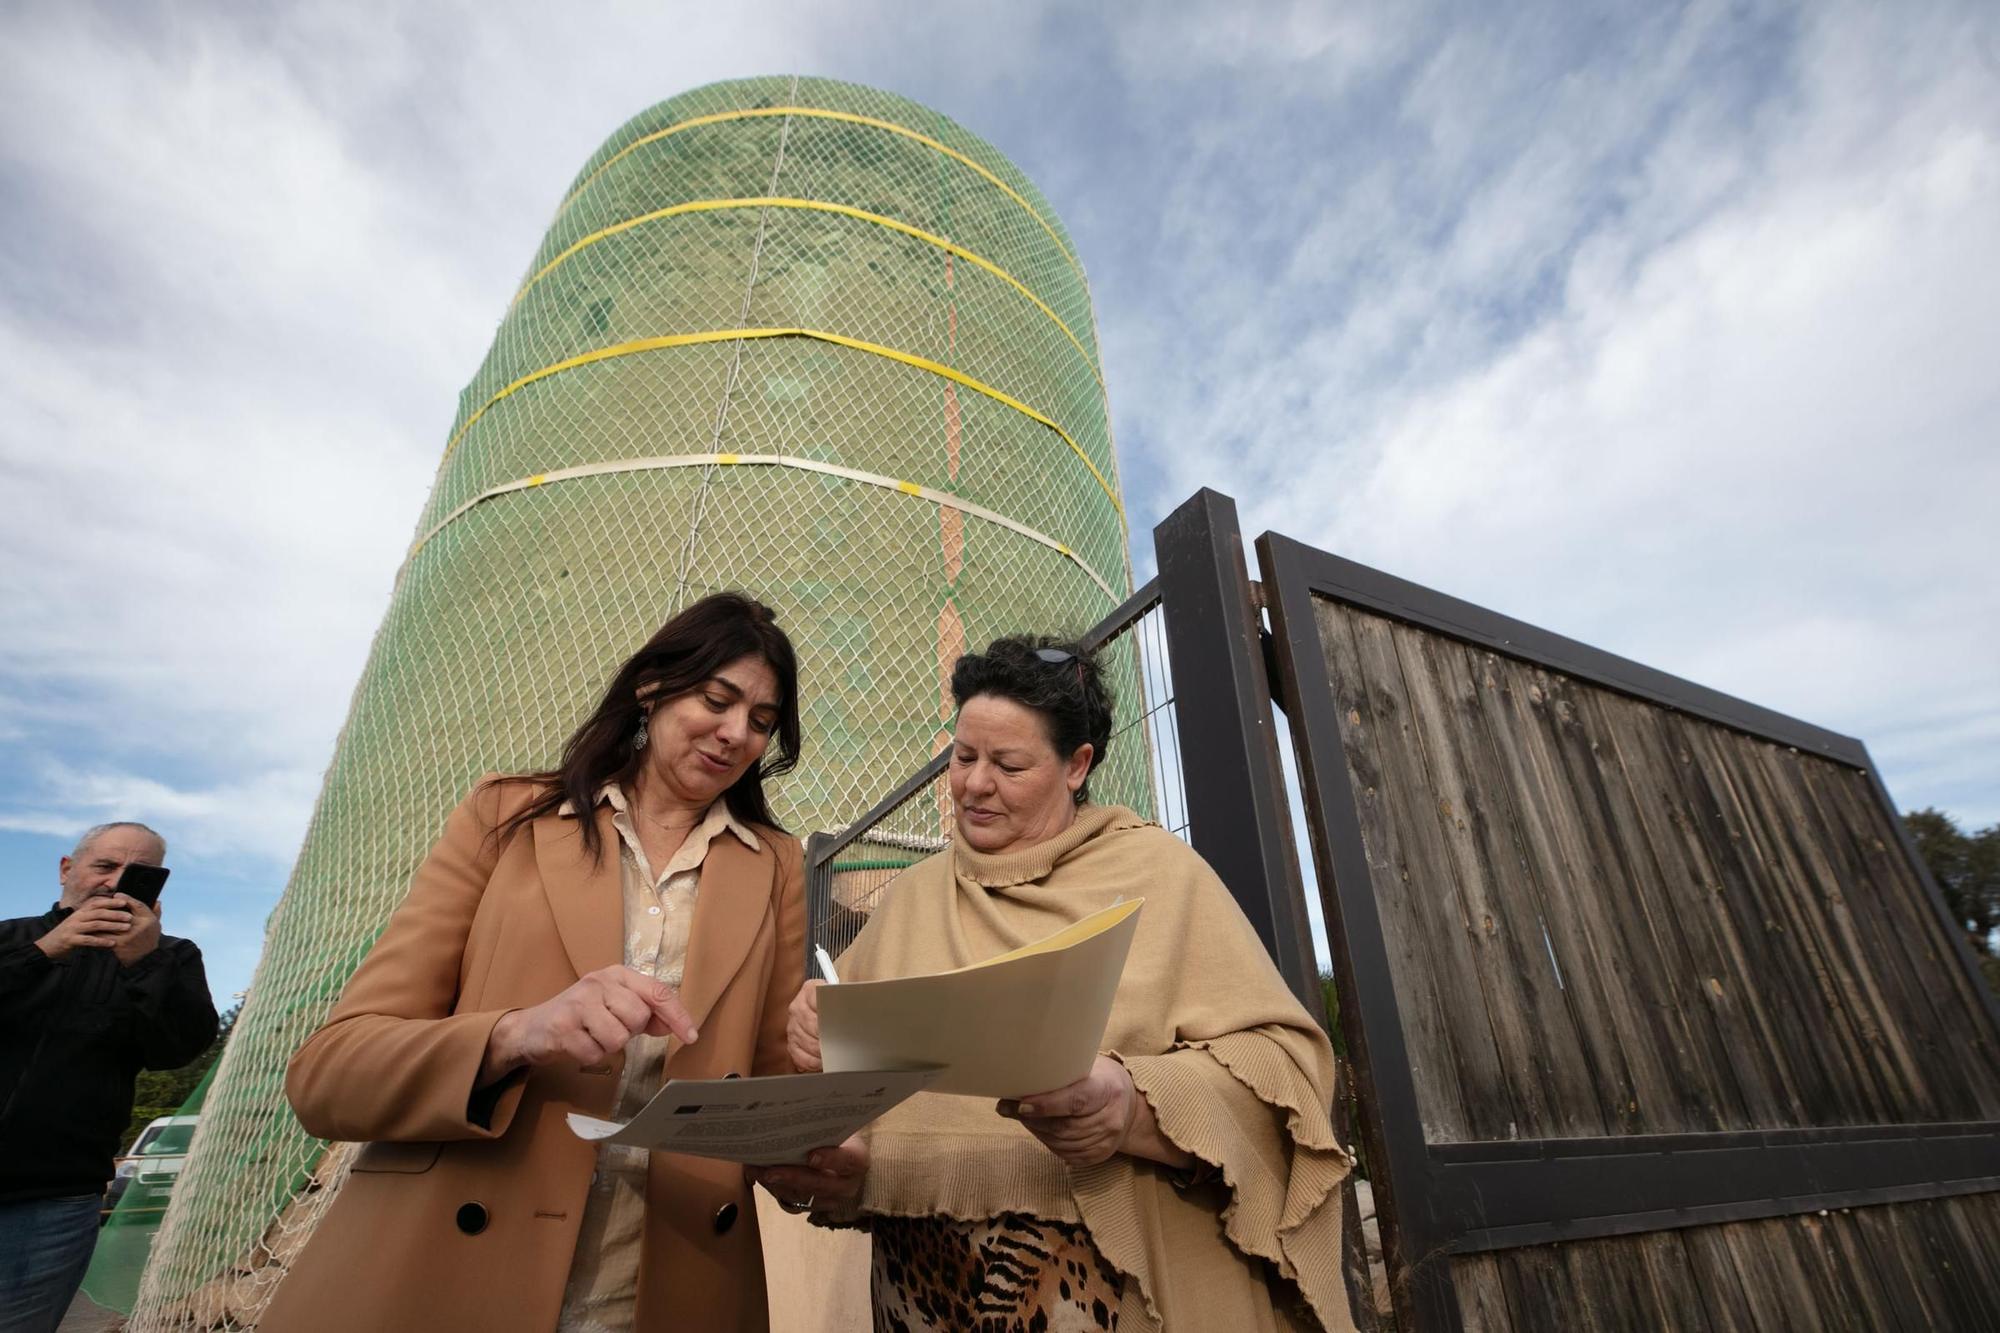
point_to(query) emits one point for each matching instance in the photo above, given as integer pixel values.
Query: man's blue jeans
(45, 1247)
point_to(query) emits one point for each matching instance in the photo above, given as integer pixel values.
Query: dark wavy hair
(705, 637)
(1070, 695)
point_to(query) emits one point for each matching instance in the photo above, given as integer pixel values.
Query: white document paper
(1027, 1021)
(772, 1121)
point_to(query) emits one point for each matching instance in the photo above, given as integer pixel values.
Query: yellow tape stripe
(817, 206)
(840, 340)
(909, 488)
(815, 113)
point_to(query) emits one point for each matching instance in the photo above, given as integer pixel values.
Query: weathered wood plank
(1712, 1270)
(1759, 1062)
(1369, 725)
(1859, 1094)
(1674, 1291)
(1651, 932)
(1482, 1297)
(1885, 922)
(1975, 1221)
(1488, 941)
(1538, 1288)
(1428, 893)
(1890, 1088)
(1900, 1258)
(1959, 1034)
(1966, 1289)
(1491, 852)
(1570, 930)
(1774, 1281)
(1611, 964)
(1791, 991)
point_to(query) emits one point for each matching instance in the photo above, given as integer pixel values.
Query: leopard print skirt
(1011, 1274)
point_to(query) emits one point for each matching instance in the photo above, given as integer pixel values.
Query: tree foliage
(160, 1092)
(1966, 867)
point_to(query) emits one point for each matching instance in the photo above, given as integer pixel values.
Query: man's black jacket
(74, 1035)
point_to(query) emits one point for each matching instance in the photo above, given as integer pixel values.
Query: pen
(826, 965)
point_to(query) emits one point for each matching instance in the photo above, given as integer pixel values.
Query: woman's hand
(802, 1028)
(832, 1177)
(587, 1023)
(1085, 1122)
(1095, 1118)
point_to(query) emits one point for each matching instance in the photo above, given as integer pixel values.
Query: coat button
(725, 1218)
(472, 1218)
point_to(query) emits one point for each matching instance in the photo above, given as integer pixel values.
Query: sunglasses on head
(1057, 656)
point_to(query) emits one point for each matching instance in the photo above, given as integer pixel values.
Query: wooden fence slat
(1651, 932)
(1487, 943)
(1430, 895)
(1482, 1298)
(1759, 1062)
(1959, 1038)
(1671, 1287)
(1608, 965)
(1799, 885)
(1495, 849)
(1889, 995)
(1791, 991)
(1569, 928)
(1364, 718)
(1712, 1269)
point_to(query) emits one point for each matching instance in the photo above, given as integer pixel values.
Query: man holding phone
(90, 993)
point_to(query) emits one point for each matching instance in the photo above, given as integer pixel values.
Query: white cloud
(259, 817)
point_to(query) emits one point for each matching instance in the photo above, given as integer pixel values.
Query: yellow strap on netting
(816, 113)
(839, 340)
(817, 206)
(909, 488)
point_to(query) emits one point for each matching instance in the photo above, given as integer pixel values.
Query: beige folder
(1027, 1021)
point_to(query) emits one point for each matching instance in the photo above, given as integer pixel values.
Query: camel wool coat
(463, 1209)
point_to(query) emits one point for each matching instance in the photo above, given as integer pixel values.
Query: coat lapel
(583, 895)
(734, 901)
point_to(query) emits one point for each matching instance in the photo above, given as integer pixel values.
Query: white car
(152, 1163)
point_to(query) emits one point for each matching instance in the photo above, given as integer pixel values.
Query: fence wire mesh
(850, 871)
(789, 335)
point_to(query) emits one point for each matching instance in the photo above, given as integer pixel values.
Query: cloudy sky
(1669, 327)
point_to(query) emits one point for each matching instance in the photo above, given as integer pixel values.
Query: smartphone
(142, 883)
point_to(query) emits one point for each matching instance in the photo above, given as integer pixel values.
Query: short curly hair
(1070, 694)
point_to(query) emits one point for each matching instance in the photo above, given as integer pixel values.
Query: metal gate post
(1235, 783)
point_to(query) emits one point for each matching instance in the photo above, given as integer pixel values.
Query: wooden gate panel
(1656, 1019)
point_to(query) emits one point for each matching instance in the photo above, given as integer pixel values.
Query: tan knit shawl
(1234, 1069)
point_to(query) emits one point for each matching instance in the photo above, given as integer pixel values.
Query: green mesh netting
(918, 461)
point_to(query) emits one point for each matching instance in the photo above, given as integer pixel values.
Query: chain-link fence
(788, 335)
(848, 871)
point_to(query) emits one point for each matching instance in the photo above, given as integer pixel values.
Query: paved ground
(87, 1316)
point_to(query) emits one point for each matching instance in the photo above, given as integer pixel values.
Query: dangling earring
(639, 737)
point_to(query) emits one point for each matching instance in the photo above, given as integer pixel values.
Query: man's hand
(586, 1024)
(802, 1028)
(142, 936)
(98, 924)
(1086, 1122)
(831, 1176)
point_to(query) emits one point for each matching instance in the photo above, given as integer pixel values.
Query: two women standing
(578, 934)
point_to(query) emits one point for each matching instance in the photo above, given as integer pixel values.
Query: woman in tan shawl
(1190, 1180)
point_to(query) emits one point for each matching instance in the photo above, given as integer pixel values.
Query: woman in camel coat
(535, 969)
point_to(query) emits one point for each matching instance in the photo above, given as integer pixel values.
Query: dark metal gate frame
(1439, 1200)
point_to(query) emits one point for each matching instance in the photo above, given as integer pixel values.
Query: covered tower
(787, 335)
